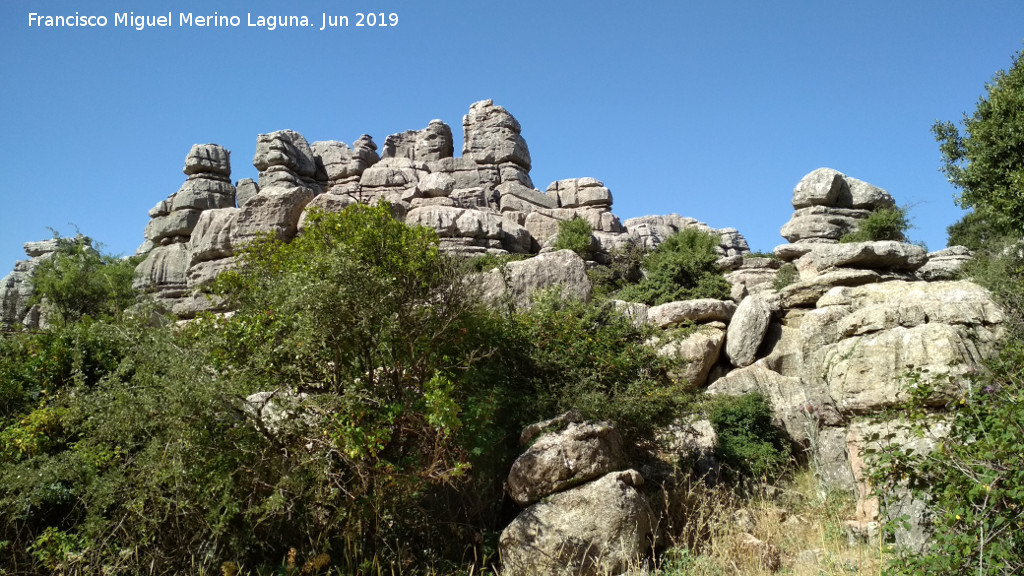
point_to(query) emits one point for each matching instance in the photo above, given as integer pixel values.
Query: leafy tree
(80, 281)
(680, 268)
(986, 160)
(980, 229)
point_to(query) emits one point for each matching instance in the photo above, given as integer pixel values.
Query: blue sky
(709, 110)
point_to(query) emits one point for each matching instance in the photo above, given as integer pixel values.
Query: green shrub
(80, 281)
(623, 268)
(785, 275)
(592, 358)
(575, 235)
(749, 446)
(882, 224)
(682, 267)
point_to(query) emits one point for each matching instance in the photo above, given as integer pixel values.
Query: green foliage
(749, 446)
(681, 268)
(623, 267)
(786, 274)
(485, 262)
(980, 229)
(592, 358)
(882, 224)
(79, 281)
(973, 482)
(986, 160)
(575, 235)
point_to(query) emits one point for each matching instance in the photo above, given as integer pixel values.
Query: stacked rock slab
(16, 287)
(208, 186)
(584, 513)
(840, 343)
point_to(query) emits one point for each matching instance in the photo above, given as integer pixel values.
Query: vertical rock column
(208, 187)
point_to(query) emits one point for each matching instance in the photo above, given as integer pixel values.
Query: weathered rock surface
(520, 281)
(492, 136)
(274, 210)
(882, 255)
(747, 329)
(698, 350)
(580, 193)
(599, 528)
(565, 458)
(699, 311)
(945, 264)
(454, 222)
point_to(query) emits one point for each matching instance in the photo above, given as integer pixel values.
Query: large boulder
(864, 343)
(747, 329)
(698, 311)
(274, 210)
(945, 264)
(602, 527)
(698, 350)
(580, 452)
(885, 255)
(520, 281)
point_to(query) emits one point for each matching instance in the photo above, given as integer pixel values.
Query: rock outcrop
(585, 514)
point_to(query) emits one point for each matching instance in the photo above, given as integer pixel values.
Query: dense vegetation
(357, 412)
(882, 224)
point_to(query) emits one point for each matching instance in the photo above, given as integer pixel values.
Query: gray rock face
(861, 342)
(650, 231)
(883, 255)
(453, 222)
(515, 196)
(432, 143)
(558, 460)
(807, 292)
(273, 211)
(822, 223)
(520, 281)
(16, 288)
(819, 188)
(945, 264)
(284, 149)
(699, 351)
(245, 190)
(799, 409)
(699, 311)
(492, 136)
(211, 238)
(747, 329)
(598, 528)
(581, 192)
(340, 166)
(208, 159)
(164, 271)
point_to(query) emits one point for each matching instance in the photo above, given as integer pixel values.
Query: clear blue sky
(712, 110)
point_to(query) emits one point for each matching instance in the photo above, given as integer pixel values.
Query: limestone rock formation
(564, 458)
(598, 528)
(520, 281)
(830, 204)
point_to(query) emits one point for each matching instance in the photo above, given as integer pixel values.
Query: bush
(592, 358)
(681, 268)
(749, 446)
(79, 281)
(786, 274)
(882, 224)
(575, 235)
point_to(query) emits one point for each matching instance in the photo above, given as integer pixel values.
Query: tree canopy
(985, 160)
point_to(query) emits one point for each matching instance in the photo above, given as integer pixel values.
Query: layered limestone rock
(585, 513)
(341, 167)
(830, 204)
(650, 231)
(165, 271)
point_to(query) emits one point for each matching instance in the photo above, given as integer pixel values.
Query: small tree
(80, 281)
(882, 224)
(986, 160)
(576, 235)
